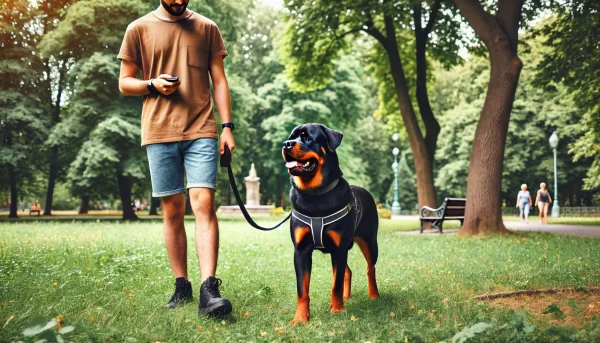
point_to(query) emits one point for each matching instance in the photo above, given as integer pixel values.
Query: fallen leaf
(246, 314)
(9, 319)
(263, 333)
(445, 301)
(199, 329)
(353, 318)
(392, 314)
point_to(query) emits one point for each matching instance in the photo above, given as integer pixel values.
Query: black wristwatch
(151, 88)
(229, 125)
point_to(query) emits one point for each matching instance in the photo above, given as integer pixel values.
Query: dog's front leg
(339, 262)
(303, 266)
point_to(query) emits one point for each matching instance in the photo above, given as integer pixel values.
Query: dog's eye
(306, 139)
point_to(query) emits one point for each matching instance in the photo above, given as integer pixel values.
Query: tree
(537, 111)
(499, 33)
(103, 123)
(318, 31)
(575, 62)
(22, 127)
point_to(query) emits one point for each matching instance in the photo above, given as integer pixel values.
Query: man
(179, 131)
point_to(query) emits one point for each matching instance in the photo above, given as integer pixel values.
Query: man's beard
(173, 11)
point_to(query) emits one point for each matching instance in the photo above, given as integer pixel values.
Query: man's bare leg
(174, 231)
(207, 230)
(207, 247)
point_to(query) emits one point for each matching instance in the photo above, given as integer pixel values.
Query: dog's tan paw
(300, 317)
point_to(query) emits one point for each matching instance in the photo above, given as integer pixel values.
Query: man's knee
(202, 201)
(174, 207)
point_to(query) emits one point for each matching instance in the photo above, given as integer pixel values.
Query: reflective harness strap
(317, 224)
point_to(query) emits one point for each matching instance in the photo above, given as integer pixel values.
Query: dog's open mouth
(301, 166)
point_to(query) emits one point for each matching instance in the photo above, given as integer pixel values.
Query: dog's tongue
(291, 164)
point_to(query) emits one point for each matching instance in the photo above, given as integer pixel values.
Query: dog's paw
(300, 318)
(337, 309)
(336, 306)
(374, 295)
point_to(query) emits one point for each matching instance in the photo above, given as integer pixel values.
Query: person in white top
(524, 203)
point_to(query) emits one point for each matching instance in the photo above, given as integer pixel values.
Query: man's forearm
(133, 87)
(223, 100)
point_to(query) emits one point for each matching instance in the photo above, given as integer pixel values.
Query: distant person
(524, 203)
(178, 53)
(543, 200)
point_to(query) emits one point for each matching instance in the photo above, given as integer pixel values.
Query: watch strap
(151, 88)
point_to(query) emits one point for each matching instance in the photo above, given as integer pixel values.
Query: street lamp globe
(396, 151)
(553, 140)
(395, 136)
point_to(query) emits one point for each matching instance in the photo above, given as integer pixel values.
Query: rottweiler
(328, 214)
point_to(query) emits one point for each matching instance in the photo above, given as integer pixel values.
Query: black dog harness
(317, 224)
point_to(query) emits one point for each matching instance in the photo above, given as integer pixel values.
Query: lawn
(110, 280)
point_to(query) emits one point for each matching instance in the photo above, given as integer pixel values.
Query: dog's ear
(334, 138)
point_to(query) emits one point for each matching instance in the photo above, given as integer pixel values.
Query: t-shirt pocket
(197, 56)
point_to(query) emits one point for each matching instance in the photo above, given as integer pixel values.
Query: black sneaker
(183, 293)
(211, 303)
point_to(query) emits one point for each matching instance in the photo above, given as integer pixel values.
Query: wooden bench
(37, 209)
(451, 209)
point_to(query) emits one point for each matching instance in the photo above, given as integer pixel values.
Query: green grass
(560, 220)
(111, 280)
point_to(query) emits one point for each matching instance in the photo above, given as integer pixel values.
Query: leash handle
(226, 163)
(226, 157)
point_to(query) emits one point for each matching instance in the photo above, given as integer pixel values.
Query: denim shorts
(168, 160)
(524, 207)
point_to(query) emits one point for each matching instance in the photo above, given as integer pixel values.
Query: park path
(534, 226)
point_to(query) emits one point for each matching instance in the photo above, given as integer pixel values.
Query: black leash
(226, 163)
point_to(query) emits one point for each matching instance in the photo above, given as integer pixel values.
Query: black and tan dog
(328, 214)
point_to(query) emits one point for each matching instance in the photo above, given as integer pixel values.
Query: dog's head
(309, 153)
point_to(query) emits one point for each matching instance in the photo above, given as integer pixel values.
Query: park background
(71, 141)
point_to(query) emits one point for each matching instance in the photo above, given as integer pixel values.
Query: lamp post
(396, 203)
(555, 207)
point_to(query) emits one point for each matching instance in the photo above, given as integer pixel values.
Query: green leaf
(554, 309)
(66, 329)
(471, 331)
(37, 329)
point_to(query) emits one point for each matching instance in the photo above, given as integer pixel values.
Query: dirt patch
(576, 307)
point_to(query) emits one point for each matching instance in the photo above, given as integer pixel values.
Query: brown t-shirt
(182, 48)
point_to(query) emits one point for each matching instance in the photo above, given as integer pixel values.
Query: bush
(277, 211)
(384, 213)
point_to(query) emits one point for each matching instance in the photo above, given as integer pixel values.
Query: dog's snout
(288, 144)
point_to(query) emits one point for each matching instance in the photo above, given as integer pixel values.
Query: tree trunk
(125, 193)
(85, 205)
(54, 163)
(14, 196)
(424, 173)
(432, 127)
(483, 213)
(51, 181)
(154, 203)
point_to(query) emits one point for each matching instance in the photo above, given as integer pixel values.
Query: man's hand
(165, 87)
(227, 139)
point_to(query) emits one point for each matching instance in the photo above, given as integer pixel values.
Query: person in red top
(178, 53)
